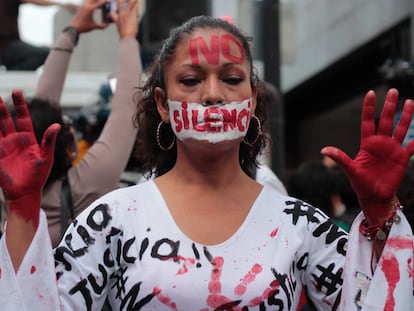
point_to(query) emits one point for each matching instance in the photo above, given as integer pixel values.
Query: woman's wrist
(73, 32)
(19, 235)
(378, 226)
(377, 212)
(24, 209)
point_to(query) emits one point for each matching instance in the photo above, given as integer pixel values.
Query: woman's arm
(100, 169)
(378, 168)
(52, 79)
(379, 259)
(24, 168)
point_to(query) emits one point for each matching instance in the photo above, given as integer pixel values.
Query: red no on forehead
(218, 45)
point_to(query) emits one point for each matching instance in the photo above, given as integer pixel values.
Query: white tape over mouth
(214, 123)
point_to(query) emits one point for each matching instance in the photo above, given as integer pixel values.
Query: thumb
(339, 157)
(49, 140)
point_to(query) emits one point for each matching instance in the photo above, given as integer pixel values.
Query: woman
(204, 235)
(100, 169)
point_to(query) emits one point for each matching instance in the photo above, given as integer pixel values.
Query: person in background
(204, 235)
(70, 189)
(317, 185)
(16, 54)
(347, 205)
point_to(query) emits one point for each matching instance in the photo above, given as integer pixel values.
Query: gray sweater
(100, 169)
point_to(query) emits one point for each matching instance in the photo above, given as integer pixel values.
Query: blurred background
(322, 55)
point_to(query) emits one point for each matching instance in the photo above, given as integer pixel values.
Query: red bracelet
(380, 231)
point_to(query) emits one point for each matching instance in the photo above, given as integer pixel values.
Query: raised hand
(24, 166)
(83, 20)
(126, 19)
(379, 166)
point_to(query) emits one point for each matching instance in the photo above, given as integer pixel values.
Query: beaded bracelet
(380, 232)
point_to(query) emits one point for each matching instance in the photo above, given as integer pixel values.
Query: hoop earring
(158, 138)
(258, 132)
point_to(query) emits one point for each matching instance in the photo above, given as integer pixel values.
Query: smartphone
(106, 10)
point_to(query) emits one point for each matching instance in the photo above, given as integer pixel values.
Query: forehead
(210, 46)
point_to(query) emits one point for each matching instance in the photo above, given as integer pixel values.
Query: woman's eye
(233, 80)
(189, 81)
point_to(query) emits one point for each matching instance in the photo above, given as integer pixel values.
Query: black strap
(66, 205)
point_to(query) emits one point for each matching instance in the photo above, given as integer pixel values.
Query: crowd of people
(204, 232)
(100, 168)
(16, 54)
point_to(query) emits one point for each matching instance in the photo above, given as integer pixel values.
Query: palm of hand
(379, 166)
(377, 169)
(21, 164)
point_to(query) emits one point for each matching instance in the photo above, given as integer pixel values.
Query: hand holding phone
(107, 7)
(124, 13)
(106, 10)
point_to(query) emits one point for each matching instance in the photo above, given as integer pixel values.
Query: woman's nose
(212, 92)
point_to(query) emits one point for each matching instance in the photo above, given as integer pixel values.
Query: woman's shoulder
(131, 193)
(124, 200)
(294, 210)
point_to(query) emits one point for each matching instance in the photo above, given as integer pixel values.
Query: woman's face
(208, 94)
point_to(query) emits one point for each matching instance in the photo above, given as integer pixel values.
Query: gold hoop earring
(258, 132)
(158, 138)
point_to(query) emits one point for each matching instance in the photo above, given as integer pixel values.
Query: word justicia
(213, 123)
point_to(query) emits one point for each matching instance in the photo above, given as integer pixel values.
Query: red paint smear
(327, 302)
(32, 269)
(183, 270)
(400, 243)
(410, 268)
(164, 299)
(1, 271)
(392, 273)
(214, 286)
(188, 262)
(247, 279)
(240, 289)
(215, 298)
(215, 301)
(266, 293)
(274, 232)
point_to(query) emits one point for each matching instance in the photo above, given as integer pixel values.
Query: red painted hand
(24, 166)
(380, 164)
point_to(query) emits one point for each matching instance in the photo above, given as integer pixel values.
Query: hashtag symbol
(298, 212)
(328, 279)
(120, 281)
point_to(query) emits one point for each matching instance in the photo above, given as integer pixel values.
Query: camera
(106, 10)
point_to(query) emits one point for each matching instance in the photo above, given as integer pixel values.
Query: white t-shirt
(126, 245)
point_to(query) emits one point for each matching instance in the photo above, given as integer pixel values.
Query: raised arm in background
(100, 169)
(53, 77)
